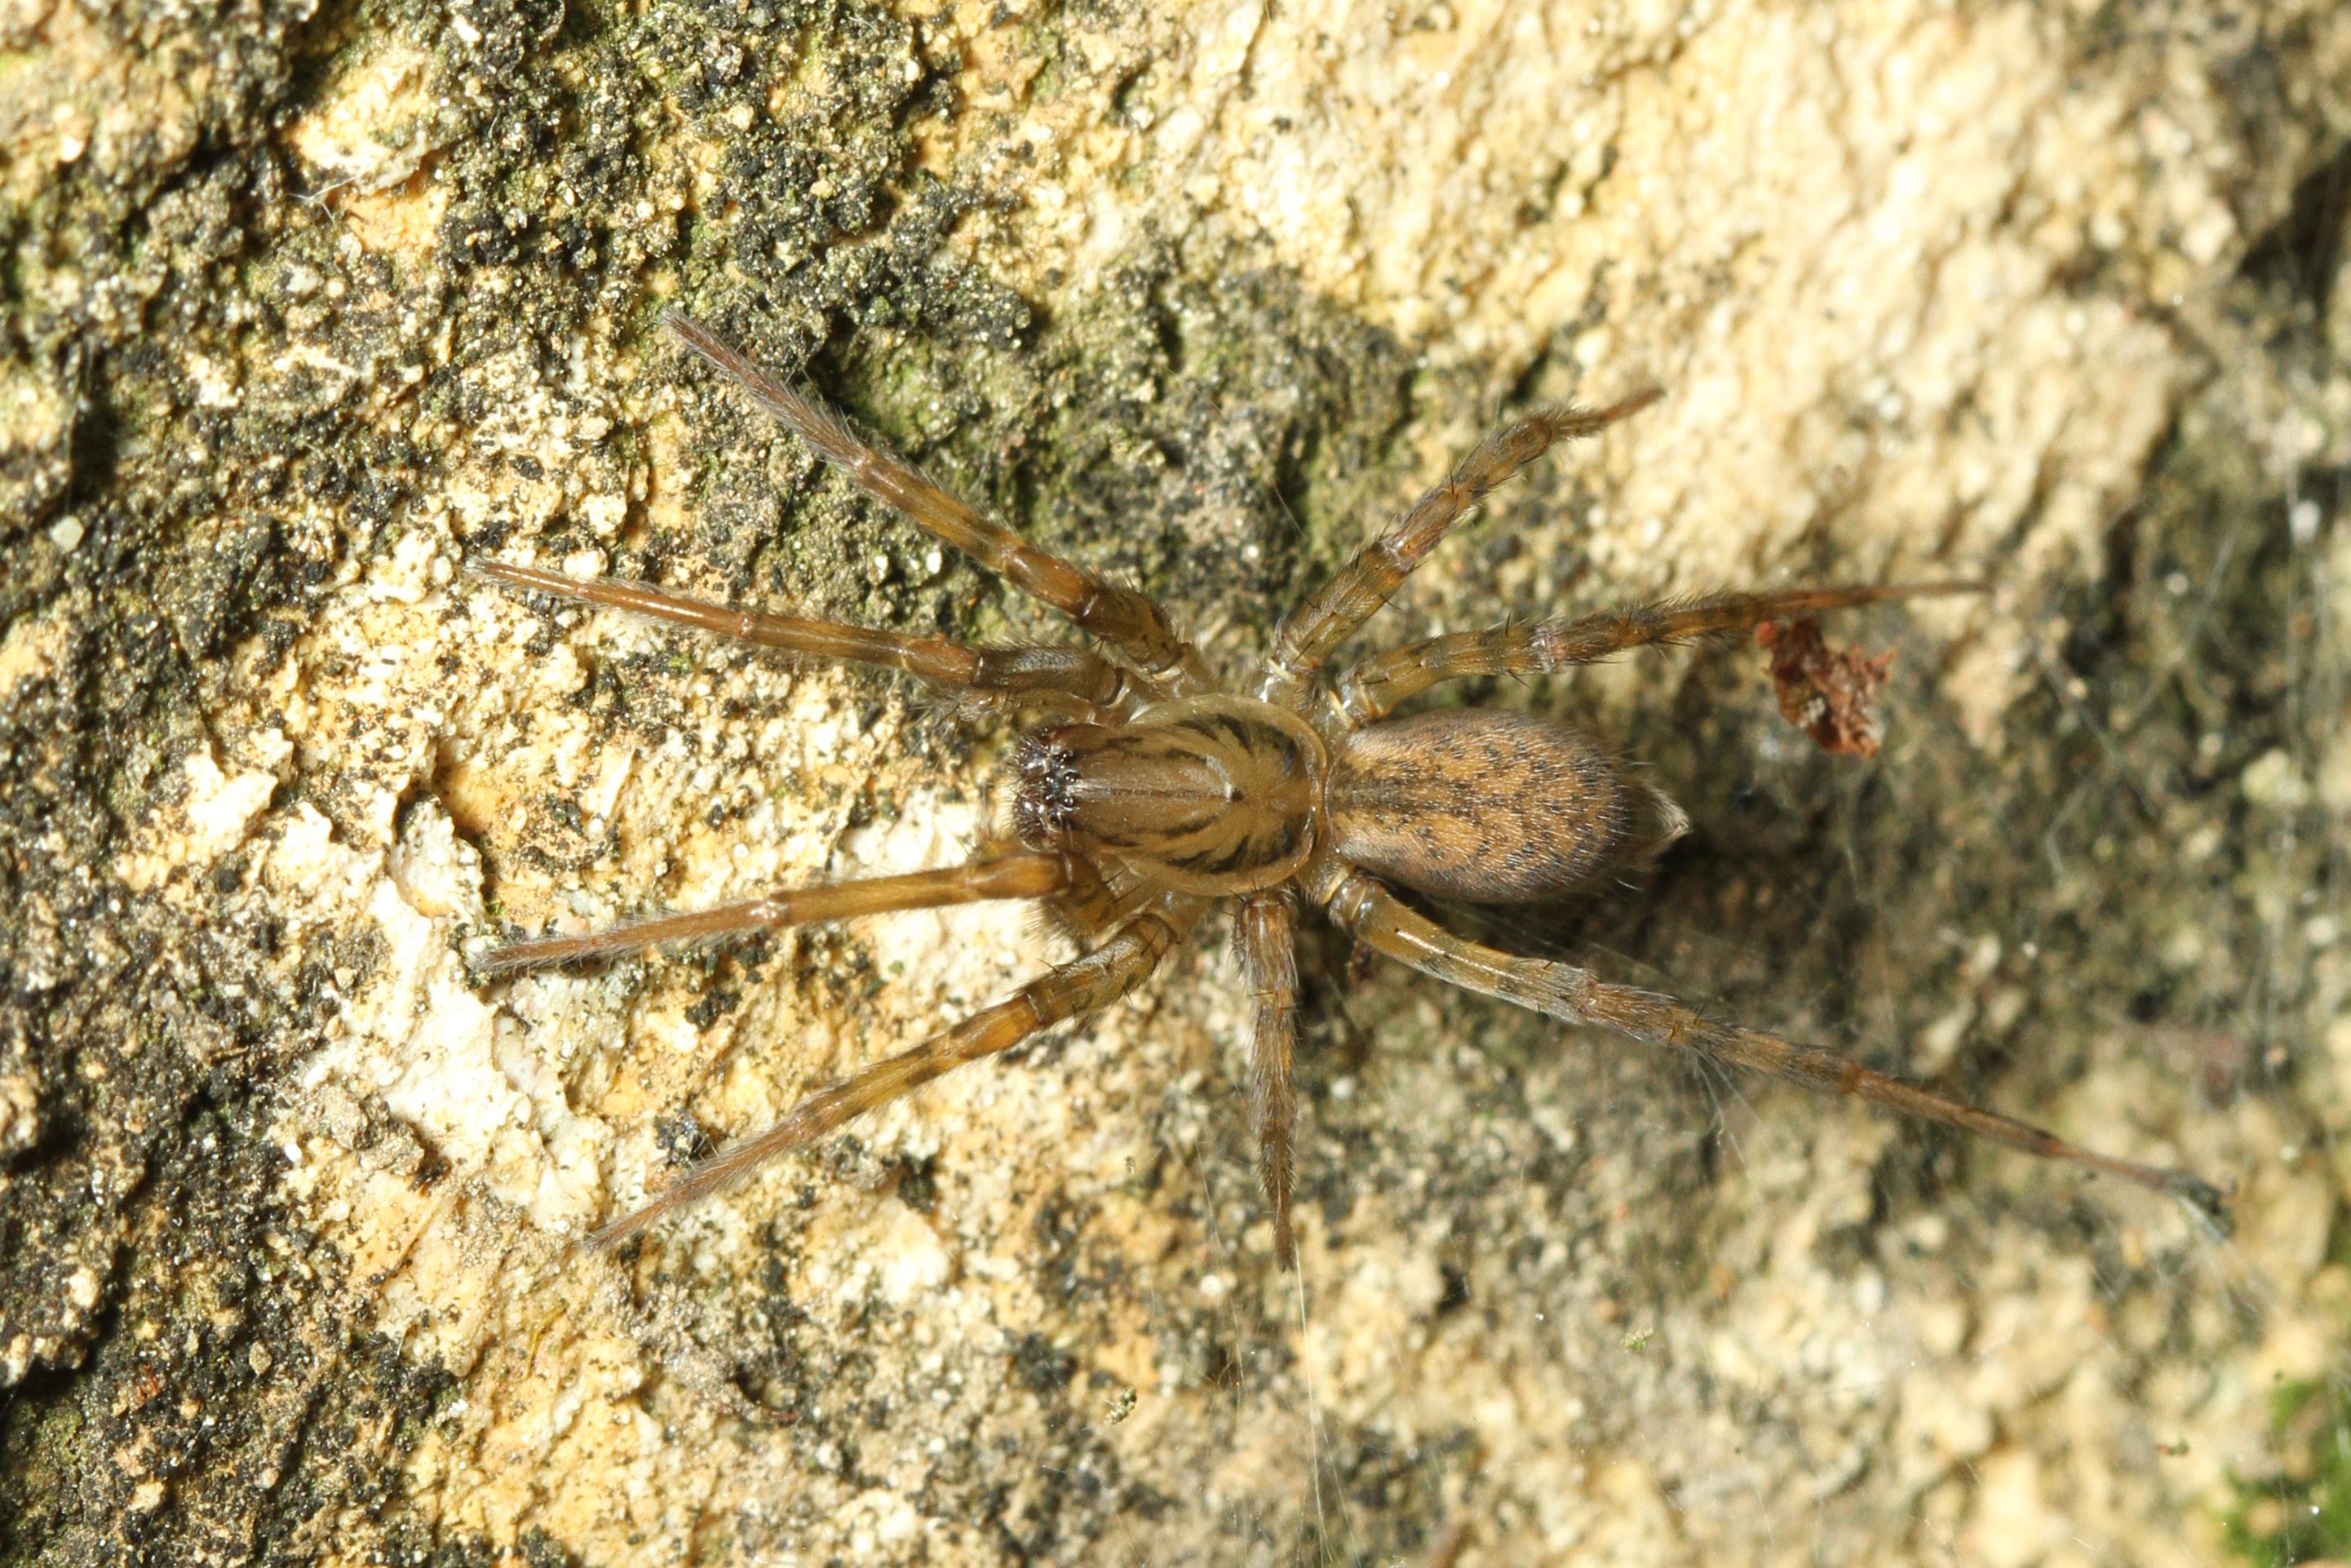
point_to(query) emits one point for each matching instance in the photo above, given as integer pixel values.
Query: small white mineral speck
(81, 1288)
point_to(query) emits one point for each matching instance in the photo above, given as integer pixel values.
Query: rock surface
(305, 307)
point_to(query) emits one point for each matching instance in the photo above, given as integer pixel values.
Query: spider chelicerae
(1153, 792)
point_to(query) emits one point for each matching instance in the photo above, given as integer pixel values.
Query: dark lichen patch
(1225, 434)
(232, 1407)
(788, 210)
(1041, 1366)
(129, 1016)
(185, 523)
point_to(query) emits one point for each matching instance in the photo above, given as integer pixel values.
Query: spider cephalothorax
(1210, 794)
(1154, 793)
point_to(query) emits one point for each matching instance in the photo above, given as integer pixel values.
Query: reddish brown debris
(1824, 693)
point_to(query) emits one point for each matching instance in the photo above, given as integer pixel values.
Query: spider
(1153, 792)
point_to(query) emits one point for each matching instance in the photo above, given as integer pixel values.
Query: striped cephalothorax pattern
(1155, 794)
(1209, 794)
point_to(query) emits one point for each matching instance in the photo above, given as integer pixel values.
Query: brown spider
(1154, 794)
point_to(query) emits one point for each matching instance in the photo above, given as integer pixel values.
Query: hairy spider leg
(1130, 622)
(1016, 873)
(1381, 922)
(1073, 991)
(1373, 688)
(1269, 957)
(1333, 613)
(1075, 681)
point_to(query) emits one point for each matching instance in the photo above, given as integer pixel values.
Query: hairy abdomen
(1495, 808)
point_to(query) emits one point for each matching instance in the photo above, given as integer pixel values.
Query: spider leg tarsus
(2208, 1199)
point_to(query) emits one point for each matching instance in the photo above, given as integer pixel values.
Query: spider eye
(1045, 804)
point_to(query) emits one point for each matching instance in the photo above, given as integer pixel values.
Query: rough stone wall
(304, 306)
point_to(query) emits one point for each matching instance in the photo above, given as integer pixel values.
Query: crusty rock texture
(305, 305)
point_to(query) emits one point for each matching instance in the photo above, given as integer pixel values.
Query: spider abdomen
(1494, 808)
(1206, 794)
